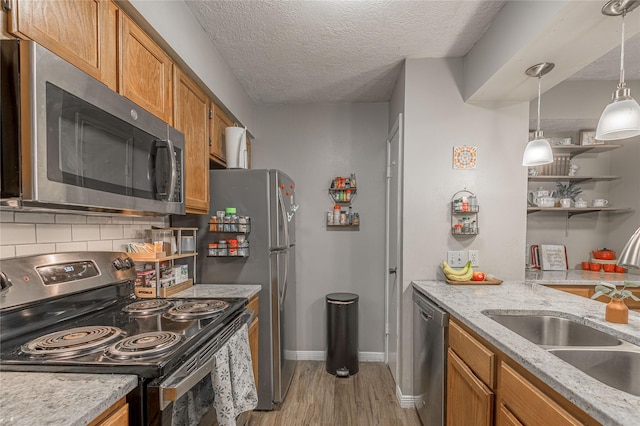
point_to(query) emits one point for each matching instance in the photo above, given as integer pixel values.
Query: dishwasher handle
(430, 311)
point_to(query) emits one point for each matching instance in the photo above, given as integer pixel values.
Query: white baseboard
(322, 355)
(405, 401)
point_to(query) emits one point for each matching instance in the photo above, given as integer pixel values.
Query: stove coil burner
(197, 310)
(73, 341)
(145, 345)
(147, 307)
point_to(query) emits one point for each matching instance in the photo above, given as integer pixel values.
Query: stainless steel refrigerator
(267, 197)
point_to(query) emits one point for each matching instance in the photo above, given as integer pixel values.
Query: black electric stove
(77, 312)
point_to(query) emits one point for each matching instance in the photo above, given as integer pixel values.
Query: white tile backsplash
(85, 232)
(110, 232)
(7, 251)
(31, 249)
(99, 219)
(70, 218)
(46, 233)
(26, 233)
(103, 245)
(18, 233)
(6, 216)
(27, 217)
(73, 246)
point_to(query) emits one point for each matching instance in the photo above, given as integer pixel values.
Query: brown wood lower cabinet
(527, 403)
(590, 290)
(116, 415)
(480, 393)
(469, 401)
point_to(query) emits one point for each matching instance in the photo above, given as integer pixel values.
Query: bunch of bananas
(463, 274)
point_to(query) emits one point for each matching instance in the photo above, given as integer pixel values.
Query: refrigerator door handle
(285, 218)
(285, 280)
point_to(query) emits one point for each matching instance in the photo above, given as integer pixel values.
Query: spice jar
(213, 249)
(222, 248)
(336, 215)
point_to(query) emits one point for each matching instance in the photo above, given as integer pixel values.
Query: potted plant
(567, 193)
(616, 311)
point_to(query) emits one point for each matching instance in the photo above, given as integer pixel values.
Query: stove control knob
(119, 264)
(129, 263)
(4, 283)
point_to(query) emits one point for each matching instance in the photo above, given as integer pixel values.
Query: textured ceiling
(308, 51)
(335, 51)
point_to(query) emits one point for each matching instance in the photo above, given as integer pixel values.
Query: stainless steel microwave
(70, 142)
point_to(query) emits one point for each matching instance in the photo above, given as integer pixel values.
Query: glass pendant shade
(537, 153)
(620, 120)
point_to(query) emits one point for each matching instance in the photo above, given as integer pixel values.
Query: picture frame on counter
(553, 257)
(588, 137)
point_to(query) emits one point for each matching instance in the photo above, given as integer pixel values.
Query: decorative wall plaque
(464, 157)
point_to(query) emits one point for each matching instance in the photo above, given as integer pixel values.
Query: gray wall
(436, 120)
(313, 144)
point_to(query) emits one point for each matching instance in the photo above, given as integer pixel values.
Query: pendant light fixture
(621, 118)
(538, 151)
(630, 254)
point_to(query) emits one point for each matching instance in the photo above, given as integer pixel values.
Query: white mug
(580, 203)
(600, 202)
(547, 202)
(565, 203)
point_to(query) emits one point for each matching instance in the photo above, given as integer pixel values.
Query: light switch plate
(457, 259)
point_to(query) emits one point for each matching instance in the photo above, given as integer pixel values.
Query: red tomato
(478, 276)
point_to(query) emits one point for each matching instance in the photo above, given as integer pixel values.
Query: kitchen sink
(550, 330)
(619, 369)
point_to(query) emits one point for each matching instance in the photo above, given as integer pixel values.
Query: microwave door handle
(174, 170)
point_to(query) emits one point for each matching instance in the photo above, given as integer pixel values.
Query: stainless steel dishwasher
(430, 325)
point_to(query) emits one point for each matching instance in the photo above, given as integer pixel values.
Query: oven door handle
(174, 392)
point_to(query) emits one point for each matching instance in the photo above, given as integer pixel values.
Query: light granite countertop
(578, 277)
(64, 399)
(467, 303)
(219, 290)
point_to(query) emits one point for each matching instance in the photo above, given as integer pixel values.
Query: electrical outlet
(474, 257)
(457, 259)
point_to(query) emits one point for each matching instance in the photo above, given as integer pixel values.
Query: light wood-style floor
(317, 398)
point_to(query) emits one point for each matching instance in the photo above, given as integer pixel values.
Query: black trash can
(342, 334)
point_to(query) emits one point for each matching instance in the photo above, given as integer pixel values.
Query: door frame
(399, 129)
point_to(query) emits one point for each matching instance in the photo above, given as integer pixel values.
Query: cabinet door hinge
(210, 143)
(210, 114)
(6, 5)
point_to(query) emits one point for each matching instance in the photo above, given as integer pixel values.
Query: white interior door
(393, 243)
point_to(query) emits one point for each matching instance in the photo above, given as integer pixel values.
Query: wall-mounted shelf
(232, 248)
(574, 150)
(576, 179)
(342, 192)
(464, 214)
(576, 211)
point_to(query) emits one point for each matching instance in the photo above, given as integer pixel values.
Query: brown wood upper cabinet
(145, 71)
(89, 43)
(217, 149)
(191, 117)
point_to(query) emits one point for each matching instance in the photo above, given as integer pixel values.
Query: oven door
(186, 396)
